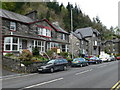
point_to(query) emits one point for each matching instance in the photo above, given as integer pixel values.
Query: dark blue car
(79, 62)
(94, 60)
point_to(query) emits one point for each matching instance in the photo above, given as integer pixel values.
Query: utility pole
(72, 33)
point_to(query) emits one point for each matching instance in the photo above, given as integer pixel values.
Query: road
(103, 75)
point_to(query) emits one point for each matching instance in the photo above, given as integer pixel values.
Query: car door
(61, 64)
(56, 65)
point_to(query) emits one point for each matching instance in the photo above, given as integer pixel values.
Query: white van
(104, 57)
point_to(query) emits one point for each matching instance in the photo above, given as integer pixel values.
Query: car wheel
(81, 65)
(65, 68)
(87, 64)
(51, 70)
(96, 62)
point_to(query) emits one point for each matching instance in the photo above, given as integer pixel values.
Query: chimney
(32, 15)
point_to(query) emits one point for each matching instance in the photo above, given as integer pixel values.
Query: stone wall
(14, 65)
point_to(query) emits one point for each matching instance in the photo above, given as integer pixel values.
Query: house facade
(26, 32)
(79, 44)
(92, 36)
(111, 46)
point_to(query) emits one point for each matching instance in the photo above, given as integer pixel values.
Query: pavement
(105, 75)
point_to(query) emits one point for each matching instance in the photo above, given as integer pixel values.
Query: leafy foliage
(35, 51)
(26, 55)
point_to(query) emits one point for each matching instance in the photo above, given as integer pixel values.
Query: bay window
(11, 44)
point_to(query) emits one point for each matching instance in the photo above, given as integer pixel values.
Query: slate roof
(25, 19)
(59, 29)
(86, 32)
(77, 35)
(15, 16)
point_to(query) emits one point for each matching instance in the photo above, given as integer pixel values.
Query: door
(24, 44)
(57, 65)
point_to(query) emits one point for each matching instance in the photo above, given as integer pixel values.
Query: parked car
(79, 62)
(112, 58)
(104, 57)
(94, 60)
(53, 65)
(118, 57)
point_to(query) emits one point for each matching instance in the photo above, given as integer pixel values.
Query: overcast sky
(106, 10)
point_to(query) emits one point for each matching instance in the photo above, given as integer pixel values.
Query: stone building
(26, 32)
(80, 45)
(111, 46)
(92, 36)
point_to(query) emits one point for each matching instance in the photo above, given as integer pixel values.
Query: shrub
(39, 59)
(117, 54)
(64, 54)
(26, 63)
(54, 49)
(9, 54)
(35, 51)
(26, 55)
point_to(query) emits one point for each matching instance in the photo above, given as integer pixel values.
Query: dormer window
(44, 32)
(13, 26)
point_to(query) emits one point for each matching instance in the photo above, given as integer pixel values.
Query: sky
(106, 10)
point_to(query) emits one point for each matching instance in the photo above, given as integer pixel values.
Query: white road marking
(42, 83)
(18, 76)
(83, 72)
(102, 66)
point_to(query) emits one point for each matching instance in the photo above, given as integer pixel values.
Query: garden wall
(14, 65)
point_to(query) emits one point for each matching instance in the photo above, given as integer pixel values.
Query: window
(48, 33)
(7, 44)
(13, 26)
(41, 46)
(63, 37)
(11, 44)
(48, 45)
(40, 31)
(44, 32)
(63, 48)
(67, 48)
(15, 44)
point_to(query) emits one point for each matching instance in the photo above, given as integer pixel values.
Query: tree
(10, 6)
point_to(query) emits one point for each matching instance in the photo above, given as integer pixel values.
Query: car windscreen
(76, 59)
(93, 58)
(51, 62)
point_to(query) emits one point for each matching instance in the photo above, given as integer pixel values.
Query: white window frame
(39, 31)
(11, 44)
(49, 47)
(44, 32)
(15, 44)
(66, 48)
(13, 24)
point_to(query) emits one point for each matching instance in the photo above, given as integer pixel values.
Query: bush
(26, 63)
(64, 54)
(35, 51)
(117, 54)
(39, 59)
(9, 54)
(26, 55)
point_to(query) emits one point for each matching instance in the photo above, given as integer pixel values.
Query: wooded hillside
(53, 11)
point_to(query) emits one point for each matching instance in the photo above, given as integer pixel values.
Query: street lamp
(72, 32)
